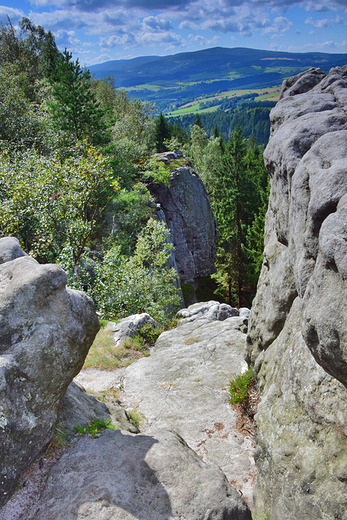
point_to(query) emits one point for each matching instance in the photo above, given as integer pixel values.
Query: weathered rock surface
(121, 476)
(299, 309)
(10, 249)
(211, 310)
(78, 408)
(301, 432)
(183, 386)
(129, 327)
(190, 219)
(45, 333)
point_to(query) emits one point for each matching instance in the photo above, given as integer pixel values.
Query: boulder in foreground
(45, 333)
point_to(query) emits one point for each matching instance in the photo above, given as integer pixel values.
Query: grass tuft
(239, 386)
(95, 427)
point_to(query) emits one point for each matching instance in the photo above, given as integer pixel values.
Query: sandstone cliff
(298, 327)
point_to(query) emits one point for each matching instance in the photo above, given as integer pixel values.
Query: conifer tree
(75, 108)
(162, 132)
(236, 193)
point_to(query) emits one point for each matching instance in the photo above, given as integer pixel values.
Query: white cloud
(156, 24)
(14, 14)
(202, 40)
(66, 38)
(279, 26)
(324, 22)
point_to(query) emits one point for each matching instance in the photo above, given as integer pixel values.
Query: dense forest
(251, 117)
(74, 168)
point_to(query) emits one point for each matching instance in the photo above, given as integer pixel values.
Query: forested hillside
(253, 118)
(75, 170)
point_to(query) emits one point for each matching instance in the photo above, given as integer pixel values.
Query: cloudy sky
(101, 30)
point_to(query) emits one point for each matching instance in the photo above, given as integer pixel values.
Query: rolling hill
(180, 79)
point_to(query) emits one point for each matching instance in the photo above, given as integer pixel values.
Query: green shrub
(239, 386)
(94, 427)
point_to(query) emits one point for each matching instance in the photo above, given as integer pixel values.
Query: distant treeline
(253, 119)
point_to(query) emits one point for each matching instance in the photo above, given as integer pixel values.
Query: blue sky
(101, 30)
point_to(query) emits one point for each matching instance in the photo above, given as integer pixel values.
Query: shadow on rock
(137, 477)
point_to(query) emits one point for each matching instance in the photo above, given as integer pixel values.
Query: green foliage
(253, 118)
(150, 334)
(238, 191)
(20, 127)
(95, 427)
(156, 171)
(130, 211)
(238, 387)
(55, 207)
(162, 132)
(75, 108)
(30, 54)
(141, 283)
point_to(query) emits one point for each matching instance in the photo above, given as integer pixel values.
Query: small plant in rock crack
(239, 386)
(95, 427)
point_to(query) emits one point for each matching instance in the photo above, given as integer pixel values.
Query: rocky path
(183, 386)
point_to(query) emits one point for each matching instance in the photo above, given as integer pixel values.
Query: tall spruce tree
(162, 132)
(75, 108)
(236, 194)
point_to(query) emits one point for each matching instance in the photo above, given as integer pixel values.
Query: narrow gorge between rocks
(177, 449)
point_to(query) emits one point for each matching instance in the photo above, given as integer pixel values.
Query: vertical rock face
(192, 224)
(298, 327)
(45, 333)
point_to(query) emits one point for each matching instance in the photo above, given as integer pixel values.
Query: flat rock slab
(121, 476)
(183, 386)
(95, 380)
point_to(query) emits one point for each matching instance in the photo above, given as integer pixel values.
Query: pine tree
(198, 121)
(75, 108)
(162, 132)
(236, 200)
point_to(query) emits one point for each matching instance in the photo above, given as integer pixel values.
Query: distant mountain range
(171, 81)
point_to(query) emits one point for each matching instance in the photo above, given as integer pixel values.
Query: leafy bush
(95, 427)
(55, 207)
(239, 386)
(141, 283)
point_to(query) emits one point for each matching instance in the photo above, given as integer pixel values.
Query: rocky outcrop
(183, 386)
(298, 328)
(191, 222)
(77, 408)
(45, 333)
(129, 327)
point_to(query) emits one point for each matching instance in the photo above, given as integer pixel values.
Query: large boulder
(129, 327)
(298, 329)
(191, 222)
(301, 432)
(45, 333)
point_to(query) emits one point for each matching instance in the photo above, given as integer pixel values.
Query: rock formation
(190, 219)
(129, 327)
(45, 333)
(298, 328)
(183, 386)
